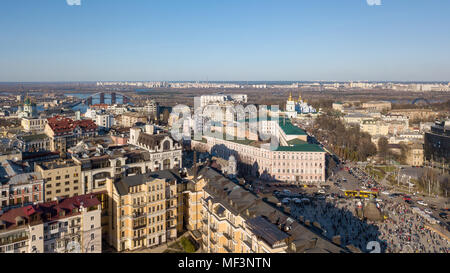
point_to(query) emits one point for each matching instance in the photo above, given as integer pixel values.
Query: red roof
(61, 124)
(50, 211)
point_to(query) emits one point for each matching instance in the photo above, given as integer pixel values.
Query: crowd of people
(405, 231)
(402, 231)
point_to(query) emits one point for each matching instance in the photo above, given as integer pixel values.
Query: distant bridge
(420, 100)
(101, 95)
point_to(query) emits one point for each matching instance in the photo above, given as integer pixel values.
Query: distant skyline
(233, 40)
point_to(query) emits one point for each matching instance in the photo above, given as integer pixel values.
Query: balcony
(228, 236)
(213, 240)
(248, 243)
(139, 215)
(228, 249)
(139, 205)
(213, 228)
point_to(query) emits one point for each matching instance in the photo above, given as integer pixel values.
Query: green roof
(300, 148)
(289, 128)
(296, 141)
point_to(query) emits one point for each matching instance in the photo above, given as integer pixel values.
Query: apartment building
(65, 132)
(18, 188)
(235, 220)
(373, 127)
(143, 210)
(62, 178)
(129, 119)
(415, 154)
(70, 225)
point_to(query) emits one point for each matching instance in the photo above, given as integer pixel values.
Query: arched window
(166, 145)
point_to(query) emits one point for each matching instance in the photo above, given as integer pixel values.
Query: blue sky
(48, 40)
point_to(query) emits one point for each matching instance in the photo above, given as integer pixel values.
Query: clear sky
(49, 40)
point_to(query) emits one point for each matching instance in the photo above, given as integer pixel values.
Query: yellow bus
(361, 194)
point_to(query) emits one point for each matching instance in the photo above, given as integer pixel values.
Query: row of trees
(431, 182)
(348, 143)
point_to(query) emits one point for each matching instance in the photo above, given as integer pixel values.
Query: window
(92, 248)
(92, 236)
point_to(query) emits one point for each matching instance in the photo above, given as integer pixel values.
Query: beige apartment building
(374, 128)
(62, 178)
(131, 118)
(143, 210)
(415, 155)
(234, 220)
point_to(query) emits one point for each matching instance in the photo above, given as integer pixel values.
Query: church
(294, 108)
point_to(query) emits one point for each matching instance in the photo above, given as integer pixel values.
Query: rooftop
(289, 129)
(123, 185)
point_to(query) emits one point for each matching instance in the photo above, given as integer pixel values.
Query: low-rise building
(33, 143)
(33, 124)
(18, 188)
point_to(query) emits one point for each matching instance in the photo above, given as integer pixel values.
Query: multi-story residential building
(235, 220)
(373, 127)
(143, 210)
(129, 119)
(415, 154)
(18, 188)
(69, 225)
(104, 120)
(65, 132)
(33, 124)
(62, 178)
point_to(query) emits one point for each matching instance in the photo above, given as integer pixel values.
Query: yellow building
(234, 220)
(61, 179)
(374, 128)
(131, 118)
(142, 210)
(33, 124)
(415, 155)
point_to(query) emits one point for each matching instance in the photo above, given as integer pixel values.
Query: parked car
(428, 211)
(422, 203)
(321, 191)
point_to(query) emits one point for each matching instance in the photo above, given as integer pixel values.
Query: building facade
(71, 225)
(62, 178)
(143, 210)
